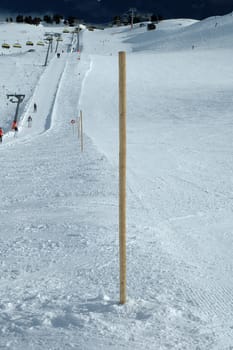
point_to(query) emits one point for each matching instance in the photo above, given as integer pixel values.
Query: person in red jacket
(14, 126)
(1, 135)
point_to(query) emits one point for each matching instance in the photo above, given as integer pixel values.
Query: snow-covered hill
(59, 277)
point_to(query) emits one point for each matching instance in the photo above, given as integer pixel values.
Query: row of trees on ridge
(56, 18)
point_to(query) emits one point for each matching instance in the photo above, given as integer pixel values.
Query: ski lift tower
(78, 38)
(16, 99)
(133, 11)
(50, 40)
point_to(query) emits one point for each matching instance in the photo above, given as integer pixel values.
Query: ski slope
(59, 280)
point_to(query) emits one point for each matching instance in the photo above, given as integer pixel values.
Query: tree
(36, 21)
(71, 20)
(136, 19)
(156, 18)
(116, 20)
(47, 19)
(57, 18)
(19, 19)
(28, 19)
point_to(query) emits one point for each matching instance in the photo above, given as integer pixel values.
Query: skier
(35, 107)
(14, 127)
(1, 135)
(29, 121)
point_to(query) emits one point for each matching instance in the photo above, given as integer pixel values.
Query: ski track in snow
(59, 224)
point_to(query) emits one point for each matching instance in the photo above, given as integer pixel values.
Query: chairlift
(29, 43)
(17, 45)
(5, 46)
(40, 43)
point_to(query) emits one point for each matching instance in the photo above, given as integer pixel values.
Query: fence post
(122, 174)
(81, 129)
(78, 127)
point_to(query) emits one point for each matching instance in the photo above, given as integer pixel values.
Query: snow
(59, 280)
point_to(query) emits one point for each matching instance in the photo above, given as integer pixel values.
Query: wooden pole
(81, 129)
(122, 174)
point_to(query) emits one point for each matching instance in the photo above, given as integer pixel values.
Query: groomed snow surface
(59, 278)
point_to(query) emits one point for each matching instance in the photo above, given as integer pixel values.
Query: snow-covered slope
(183, 34)
(59, 278)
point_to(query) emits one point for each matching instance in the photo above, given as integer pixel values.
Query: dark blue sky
(104, 10)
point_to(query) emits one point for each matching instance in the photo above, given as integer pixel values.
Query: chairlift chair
(5, 46)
